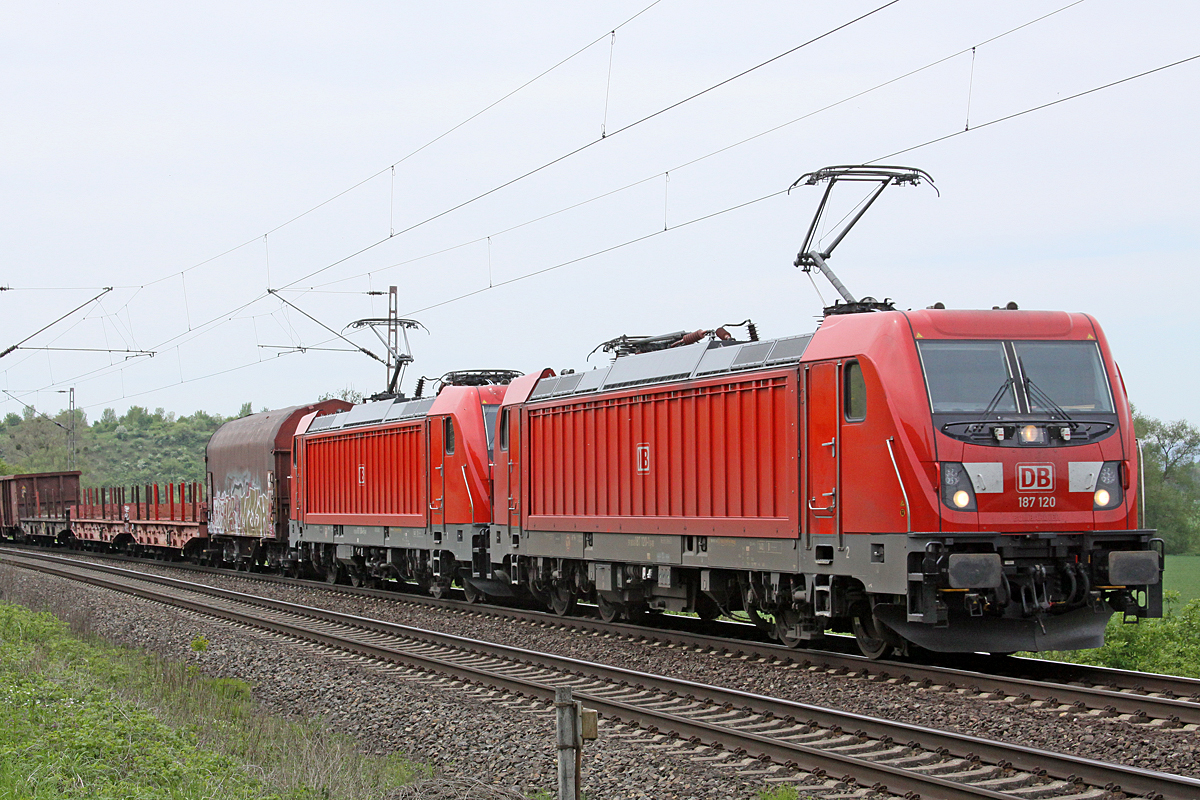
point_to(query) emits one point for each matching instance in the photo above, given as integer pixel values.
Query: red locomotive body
(397, 489)
(958, 479)
(719, 457)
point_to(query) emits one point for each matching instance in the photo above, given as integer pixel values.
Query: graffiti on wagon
(243, 509)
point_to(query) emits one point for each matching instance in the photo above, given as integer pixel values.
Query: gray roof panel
(327, 421)
(675, 363)
(789, 350)
(752, 355)
(366, 413)
(545, 387)
(410, 409)
(592, 380)
(701, 360)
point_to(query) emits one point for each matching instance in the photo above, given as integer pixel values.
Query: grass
(1170, 645)
(1182, 574)
(81, 718)
(781, 792)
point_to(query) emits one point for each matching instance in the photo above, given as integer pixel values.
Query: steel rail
(1070, 768)
(1049, 682)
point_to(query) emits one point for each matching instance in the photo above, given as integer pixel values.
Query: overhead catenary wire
(500, 284)
(608, 84)
(932, 141)
(1041, 107)
(360, 349)
(768, 196)
(594, 142)
(718, 151)
(412, 153)
(107, 289)
(514, 180)
(659, 232)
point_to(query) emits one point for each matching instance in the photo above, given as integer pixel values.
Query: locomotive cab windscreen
(1059, 387)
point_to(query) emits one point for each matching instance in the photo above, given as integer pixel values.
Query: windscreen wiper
(996, 399)
(1036, 393)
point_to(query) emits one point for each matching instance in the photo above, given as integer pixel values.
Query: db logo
(1035, 477)
(643, 459)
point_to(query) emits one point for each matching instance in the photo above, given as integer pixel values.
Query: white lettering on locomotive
(1035, 477)
(643, 458)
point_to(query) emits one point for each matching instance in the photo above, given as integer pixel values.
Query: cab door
(439, 444)
(823, 449)
(508, 470)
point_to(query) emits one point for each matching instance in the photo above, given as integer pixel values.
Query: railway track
(1160, 700)
(894, 758)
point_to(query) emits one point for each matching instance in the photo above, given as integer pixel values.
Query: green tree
(35, 443)
(349, 394)
(1170, 451)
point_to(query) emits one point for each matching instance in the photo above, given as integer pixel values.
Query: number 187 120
(1044, 501)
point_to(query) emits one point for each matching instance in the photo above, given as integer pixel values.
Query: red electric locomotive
(962, 480)
(399, 489)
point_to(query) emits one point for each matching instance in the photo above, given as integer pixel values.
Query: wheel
(562, 599)
(871, 641)
(472, 594)
(356, 578)
(439, 588)
(785, 621)
(609, 611)
(758, 619)
(331, 572)
(707, 608)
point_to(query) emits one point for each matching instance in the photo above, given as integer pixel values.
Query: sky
(539, 177)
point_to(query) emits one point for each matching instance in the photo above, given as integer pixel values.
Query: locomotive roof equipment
(626, 345)
(810, 258)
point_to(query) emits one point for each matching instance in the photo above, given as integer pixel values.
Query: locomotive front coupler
(1030, 573)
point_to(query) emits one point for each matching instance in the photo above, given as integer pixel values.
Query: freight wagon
(37, 507)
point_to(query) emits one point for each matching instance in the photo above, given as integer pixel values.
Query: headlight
(957, 491)
(1109, 493)
(1032, 434)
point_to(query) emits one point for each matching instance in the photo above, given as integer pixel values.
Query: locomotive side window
(504, 430)
(1069, 375)
(448, 434)
(968, 377)
(854, 393)
(489, 423)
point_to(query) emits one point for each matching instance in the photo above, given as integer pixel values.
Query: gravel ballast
(1149, 746)
(465, 733)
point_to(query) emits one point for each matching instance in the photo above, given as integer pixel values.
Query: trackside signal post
(574, 725)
